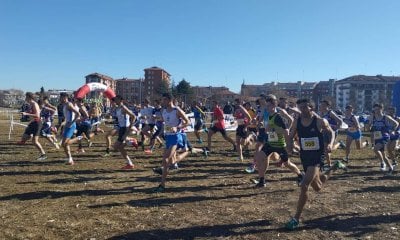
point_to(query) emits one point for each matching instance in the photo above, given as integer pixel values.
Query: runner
(335, 122)
(114, 131)
(394, 136)
(47, 112)
(380, 125)
(353, 131)
(147, 120)
(95, 116)
(34, 126)
(310, 128)
(83, 126)
(277, 136)
(218, 125)
(199, 115)
(71, 114)
(159, 126)
(242, 118)
(126, 118)
(175, 119)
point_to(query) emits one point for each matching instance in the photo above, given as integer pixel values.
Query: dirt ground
(209, 198)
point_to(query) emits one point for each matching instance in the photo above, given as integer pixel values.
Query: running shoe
(70, 162)
(383, 166)
(260, 185)
(80, 150)
(20, 143)
(158, 170)
(107, 154)
(159, 189)
(390, 172)
(292, 224)
(174, 166)
(345, 159)
(148, 151)
(42, 157)
(128, 167)
(250, 169)
(338, 165)
(394, 163)
(205, 152)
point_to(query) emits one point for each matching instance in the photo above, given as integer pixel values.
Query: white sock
(128, 161)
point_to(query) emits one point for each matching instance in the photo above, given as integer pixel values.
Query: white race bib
(168, 129)
(240, 121)
(377, 135)
(272, 137)
(310, 144)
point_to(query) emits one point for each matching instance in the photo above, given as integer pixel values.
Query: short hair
(30, 95)
(63, 94)
(305, 100)
(327, 102)
(349, 107)
(379, 105)
(271, 100)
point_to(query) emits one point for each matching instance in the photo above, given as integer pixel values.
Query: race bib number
(310, 144)
(169, 129)
(240, 121)
(377, 135)
(272, 137)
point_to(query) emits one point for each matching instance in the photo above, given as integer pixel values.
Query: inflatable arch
(94, 86)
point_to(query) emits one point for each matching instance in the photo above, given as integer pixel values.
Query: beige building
(364, 91)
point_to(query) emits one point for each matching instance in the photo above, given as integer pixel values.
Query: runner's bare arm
(292, 134)
(286, 115)
(324, 127)
(77, 113)
(337, 119)
(391, 122)
(180, 113)
(355, 120)
(130, 113)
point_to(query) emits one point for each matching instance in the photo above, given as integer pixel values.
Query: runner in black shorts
(218, 125)
(34, 126)
(310, 129)
(278, 135)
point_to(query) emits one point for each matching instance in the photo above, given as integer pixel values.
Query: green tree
(184, 91)
(162, 88)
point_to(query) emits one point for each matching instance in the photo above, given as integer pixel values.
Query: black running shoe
(158, 170)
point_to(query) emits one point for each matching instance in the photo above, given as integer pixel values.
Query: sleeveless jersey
(311, 139)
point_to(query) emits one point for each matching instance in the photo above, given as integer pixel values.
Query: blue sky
(208, 42)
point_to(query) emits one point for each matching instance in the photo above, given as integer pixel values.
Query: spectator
(228, 109)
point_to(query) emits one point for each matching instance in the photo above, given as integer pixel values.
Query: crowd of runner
(274, 129)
